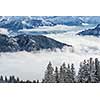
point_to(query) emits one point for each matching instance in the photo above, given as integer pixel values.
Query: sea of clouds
(33, 65)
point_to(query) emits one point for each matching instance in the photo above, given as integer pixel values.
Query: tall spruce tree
(97, 70)
(67, 74)
(73, 75)
(49, 76)
(70, 74)
(6, 80)
(56, 74)
(88, 71)
(62, 73)
(84, 73)
(17, 80)
(1, 79)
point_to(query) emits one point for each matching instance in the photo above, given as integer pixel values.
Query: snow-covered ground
(32, 65)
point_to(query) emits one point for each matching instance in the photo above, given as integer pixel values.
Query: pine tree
(1, 79)
(86, 72)
(43, 81)
(62, 73)
(73, 73)
(49, 76)
(68, 66)
(6, 80)
(69, 77)
(37, 81)
(34, 81)
(97, 70)
(17, 80)
(10, 79)
(66, 74)
(57, 75)
(94, 70)
(13, 79)
(28, 81)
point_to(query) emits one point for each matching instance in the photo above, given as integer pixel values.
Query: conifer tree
(17, 80)
(49, 76)
(6, 80)
(1, 79)
(37, 81)
(62, 73)
(66, 74)
(85, 71)
(69, 77)
(56, 75)
(43, 81)
(73, 73)
(34, 81)
(97, 70)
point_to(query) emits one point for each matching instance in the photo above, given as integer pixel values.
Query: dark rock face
(93, 32)
(28, 43)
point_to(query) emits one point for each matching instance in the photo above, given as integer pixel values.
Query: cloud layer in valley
(33, 65)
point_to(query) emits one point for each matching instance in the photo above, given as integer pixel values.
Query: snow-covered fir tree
(56, 75)
(67, 74)
(97, 70)
(62, 73)
(1, 79)
(89, 71)
(70, 74)
(84, 73)
(49, 76)
(73, 76)
(6, 80)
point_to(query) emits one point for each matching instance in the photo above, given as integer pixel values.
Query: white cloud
(57, 28)
(32, 65)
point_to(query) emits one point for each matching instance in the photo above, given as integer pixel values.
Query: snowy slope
(16, 23)
(28, 43)
(91, 32)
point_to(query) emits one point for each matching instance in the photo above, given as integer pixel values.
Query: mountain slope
(93, 32)
(16, 23)
(28, 43)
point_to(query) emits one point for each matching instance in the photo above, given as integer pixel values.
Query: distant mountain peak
(97, 27)
(16, 23)
(93, 32)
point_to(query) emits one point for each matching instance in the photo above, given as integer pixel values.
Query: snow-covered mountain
(28, 43)
(94, 32)
(16, 23)
(31, 65)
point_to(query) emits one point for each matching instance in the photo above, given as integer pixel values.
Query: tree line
(13, 79)
(89, 72)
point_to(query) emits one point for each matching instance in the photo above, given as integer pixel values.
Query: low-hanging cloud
(33, 65)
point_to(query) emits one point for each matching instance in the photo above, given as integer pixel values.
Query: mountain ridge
(16, 23)
(28, 43)
(93, 32)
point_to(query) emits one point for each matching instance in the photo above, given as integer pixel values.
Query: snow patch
(4, 31)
